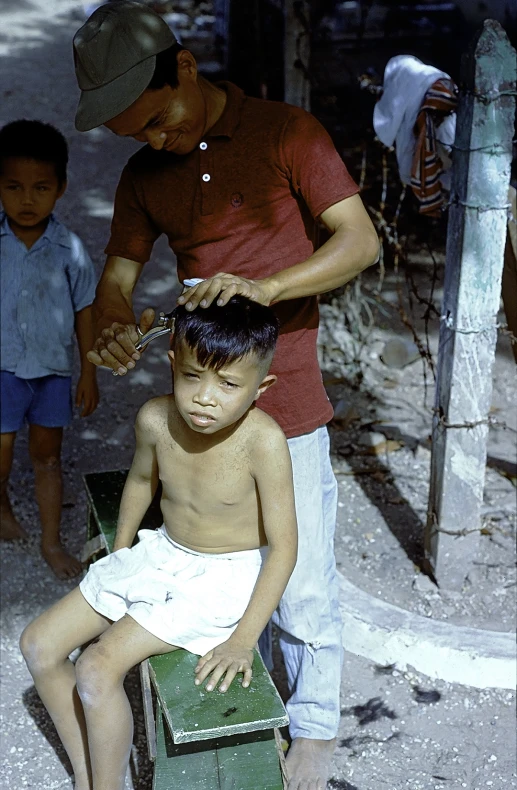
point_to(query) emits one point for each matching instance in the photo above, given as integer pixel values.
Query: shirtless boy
(209, 579)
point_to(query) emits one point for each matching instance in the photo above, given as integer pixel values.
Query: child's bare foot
(308, 763)
(63, 564)
(10, 528)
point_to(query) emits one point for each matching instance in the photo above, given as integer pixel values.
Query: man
(237, 185)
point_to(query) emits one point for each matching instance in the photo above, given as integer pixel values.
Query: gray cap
(115, 55)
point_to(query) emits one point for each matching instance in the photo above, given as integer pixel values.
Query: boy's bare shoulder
(155, 414)
(264, 433)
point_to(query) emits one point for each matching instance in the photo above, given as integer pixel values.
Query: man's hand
(222, 287)
(87, 393)
(226, 659)
(115, 348)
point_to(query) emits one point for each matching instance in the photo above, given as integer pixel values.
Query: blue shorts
(45, 401)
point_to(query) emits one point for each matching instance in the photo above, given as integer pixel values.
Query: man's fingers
(116, 345)
(205, 291)
(121, 335)
(146, 319)
(109, 361)
(95, 358)
(199, 295)
(217, 286)
(226, 294)
(115, 348)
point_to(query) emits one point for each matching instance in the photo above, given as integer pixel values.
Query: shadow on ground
(141, 766)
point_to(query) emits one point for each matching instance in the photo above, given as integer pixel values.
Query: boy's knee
(94, 675)
(35, 650)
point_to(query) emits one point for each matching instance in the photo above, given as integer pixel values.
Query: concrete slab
(388, 634)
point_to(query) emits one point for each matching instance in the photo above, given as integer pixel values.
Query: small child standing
(47, 288)
(209, 579)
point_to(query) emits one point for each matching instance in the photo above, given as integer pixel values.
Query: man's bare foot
(10, 528)
(308, 763)
(63, 564)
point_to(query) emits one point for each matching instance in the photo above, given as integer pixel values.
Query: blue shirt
(41, 290)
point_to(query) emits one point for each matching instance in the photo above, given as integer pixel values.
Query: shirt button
(206, 177)
(24, 293)
(203, 146)
(23, 326)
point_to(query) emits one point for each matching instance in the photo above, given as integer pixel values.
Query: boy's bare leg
(308, 763)
(46, 644)
(45, 452)
(100, 672)
(10, 528)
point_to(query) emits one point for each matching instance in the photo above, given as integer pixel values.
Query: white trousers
(308, 616)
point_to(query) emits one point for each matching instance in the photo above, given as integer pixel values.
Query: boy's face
(210, 400)
(28, 190)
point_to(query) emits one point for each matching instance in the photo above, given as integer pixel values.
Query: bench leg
(147, 698)
(281, 756)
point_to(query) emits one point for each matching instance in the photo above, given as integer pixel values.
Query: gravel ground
(397, 730)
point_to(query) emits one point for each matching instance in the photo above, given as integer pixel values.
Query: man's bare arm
(142, 480)
(113, 317)
(352, 247)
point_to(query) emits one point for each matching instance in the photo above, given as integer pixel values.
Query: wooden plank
(249, 761)
(191, 766)
(476, 237)
(239, 762)
(195, 714)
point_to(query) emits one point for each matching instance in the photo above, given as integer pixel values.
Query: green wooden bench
(198, 740)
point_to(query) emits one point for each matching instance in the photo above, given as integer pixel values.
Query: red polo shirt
(245, 201)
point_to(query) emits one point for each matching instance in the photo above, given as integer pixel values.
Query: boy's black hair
(221, 335)
(166, 68)
(35, 140)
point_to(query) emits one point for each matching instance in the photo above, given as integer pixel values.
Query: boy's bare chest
(221, 473)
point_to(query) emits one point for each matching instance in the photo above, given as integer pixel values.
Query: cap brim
(102, 104)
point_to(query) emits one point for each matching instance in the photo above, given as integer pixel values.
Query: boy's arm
(273, 474)
(87, 390)
(142, 480)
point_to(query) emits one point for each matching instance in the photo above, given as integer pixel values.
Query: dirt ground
(398, 730)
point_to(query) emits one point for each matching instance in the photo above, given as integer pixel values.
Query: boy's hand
(226, 659)
(87, 393)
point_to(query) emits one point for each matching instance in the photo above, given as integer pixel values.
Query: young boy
(47, 287)
(205, 580)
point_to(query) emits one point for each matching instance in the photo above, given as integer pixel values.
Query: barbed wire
(488, 149)
(387, 225)
(502, 328)
(490, 420)
(488, 98)
(455, 201)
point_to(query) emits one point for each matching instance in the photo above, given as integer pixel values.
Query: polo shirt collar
(226, 125)
(5, 230)
(55, 232)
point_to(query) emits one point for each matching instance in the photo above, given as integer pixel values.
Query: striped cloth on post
(439, 101)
